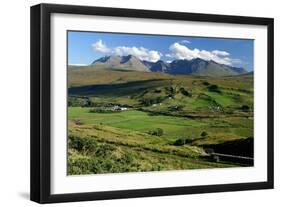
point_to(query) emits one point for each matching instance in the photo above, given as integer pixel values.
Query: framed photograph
(133, 103)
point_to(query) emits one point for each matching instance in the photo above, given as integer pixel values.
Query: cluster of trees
(156, 132)
(80, 102)
(158, 95)
(183, 141)
(214, 88)
(173, 90)
(105, 109)
(152, 100)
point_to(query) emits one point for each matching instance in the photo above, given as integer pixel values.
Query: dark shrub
(78, 122)
(214, 88)
(204, 134)
(185, 92)
(75, 143)
(179, 142)
(159, 131)
(82, 144)
(206, 83)
(156, 132)
(171, 91)
(188, 141)
(245, 108)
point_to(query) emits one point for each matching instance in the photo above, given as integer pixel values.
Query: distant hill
(197, 66)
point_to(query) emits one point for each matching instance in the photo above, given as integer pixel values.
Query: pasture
(170, 122)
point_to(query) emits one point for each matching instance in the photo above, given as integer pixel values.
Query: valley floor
(121, 142)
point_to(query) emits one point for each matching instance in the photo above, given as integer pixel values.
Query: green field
(169, 122)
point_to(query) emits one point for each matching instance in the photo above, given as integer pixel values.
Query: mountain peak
(195, 66)
(128, 62)
(102, 59)
(128, 58)
(200, 60)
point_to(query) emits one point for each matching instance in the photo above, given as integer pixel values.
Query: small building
(119, 108)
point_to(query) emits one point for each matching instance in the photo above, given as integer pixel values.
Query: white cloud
(100, 47)
(185, 41)
(220, 53)
(140, 52)
(179, 51)
(236, 61)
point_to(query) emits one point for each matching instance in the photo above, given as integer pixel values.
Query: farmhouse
(119, 108)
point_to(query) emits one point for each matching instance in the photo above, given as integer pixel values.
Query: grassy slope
(88, 75)
(174, 127)
(108, 149)
(130, 87)
(123, 135)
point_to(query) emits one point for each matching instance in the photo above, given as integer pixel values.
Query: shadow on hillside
(118, 89)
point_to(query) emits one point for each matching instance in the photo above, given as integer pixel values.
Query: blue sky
(85, 47)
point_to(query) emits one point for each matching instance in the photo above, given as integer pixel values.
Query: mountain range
(195, 66)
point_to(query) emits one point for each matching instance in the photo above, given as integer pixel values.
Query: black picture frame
(41, 96)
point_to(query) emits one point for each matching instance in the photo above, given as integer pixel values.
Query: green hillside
(122, 121)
